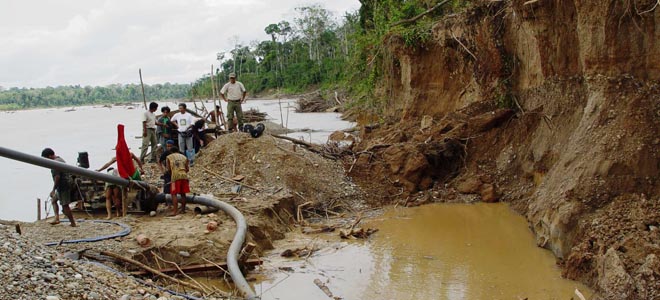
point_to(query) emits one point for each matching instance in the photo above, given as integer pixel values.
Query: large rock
(613, 278)
(469, 185)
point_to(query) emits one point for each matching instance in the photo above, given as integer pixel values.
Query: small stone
(184, 253)
(152, 213)
(77, 276)
(93, 296)
(52, 298)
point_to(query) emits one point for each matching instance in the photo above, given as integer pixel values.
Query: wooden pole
(144, 97)
(38, 209)
(214, 92)
(222, 113)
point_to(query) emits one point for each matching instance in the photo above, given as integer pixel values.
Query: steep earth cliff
(553, 106)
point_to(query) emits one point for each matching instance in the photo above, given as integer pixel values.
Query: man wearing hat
(233, 92)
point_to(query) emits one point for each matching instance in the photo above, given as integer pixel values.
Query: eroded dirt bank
(553, 106)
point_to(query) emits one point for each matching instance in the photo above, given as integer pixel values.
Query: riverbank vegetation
(26, 98)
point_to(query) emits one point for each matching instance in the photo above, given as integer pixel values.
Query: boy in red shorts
(179, 166)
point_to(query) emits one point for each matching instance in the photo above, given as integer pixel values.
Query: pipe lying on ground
(241, 224)
(236, 243)
(203, 210)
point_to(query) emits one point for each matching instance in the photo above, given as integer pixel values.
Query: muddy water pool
(442, 251)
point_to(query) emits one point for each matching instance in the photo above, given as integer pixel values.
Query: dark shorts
(180, 186)
(166, 186)
(65, 196)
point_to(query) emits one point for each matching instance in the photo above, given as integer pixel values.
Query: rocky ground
(30, 270)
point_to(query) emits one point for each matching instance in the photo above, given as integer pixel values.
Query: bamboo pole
(144, 97)
(38, 209)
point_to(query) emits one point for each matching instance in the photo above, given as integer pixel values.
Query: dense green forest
(319, 50)
(24, 98)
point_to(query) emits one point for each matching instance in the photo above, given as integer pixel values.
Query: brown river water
(441, 251)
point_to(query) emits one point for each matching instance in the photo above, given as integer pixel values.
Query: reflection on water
(482, 251)
(94, 130)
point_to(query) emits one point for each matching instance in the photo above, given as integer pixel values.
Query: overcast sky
(100, 42)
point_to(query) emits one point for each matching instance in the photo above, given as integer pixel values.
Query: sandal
(54, 222)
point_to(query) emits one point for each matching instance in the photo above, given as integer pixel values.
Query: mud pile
(273, 167)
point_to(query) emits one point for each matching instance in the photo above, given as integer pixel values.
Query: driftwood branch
(417, 17)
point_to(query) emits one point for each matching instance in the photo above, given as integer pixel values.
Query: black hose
(126, 231)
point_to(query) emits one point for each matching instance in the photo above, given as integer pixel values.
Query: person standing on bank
(184, 120)
(149, 132)
(233, 92)
(179, 167)
(162, 127)
(62, 189)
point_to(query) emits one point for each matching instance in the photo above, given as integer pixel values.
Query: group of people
(174, 161)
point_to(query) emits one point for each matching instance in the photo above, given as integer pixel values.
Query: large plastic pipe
(241, 224)
(236, 244)
(56, 165)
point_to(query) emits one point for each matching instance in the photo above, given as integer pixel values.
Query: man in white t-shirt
(149, 132)
(233, 92)
(184, 120)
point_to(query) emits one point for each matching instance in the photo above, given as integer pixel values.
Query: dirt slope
(577, 152)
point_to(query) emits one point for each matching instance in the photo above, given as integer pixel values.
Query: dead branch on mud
(314, 103)
(231, 180)
(417, 17)
(463, 45)
(202, 287)
(308, 146)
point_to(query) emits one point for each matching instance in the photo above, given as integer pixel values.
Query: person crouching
(179, 166)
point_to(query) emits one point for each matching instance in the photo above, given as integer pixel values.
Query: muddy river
(443, 251)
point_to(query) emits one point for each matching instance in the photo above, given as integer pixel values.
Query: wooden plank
(198, 268)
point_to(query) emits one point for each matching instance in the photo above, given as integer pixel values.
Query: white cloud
(99, 42)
